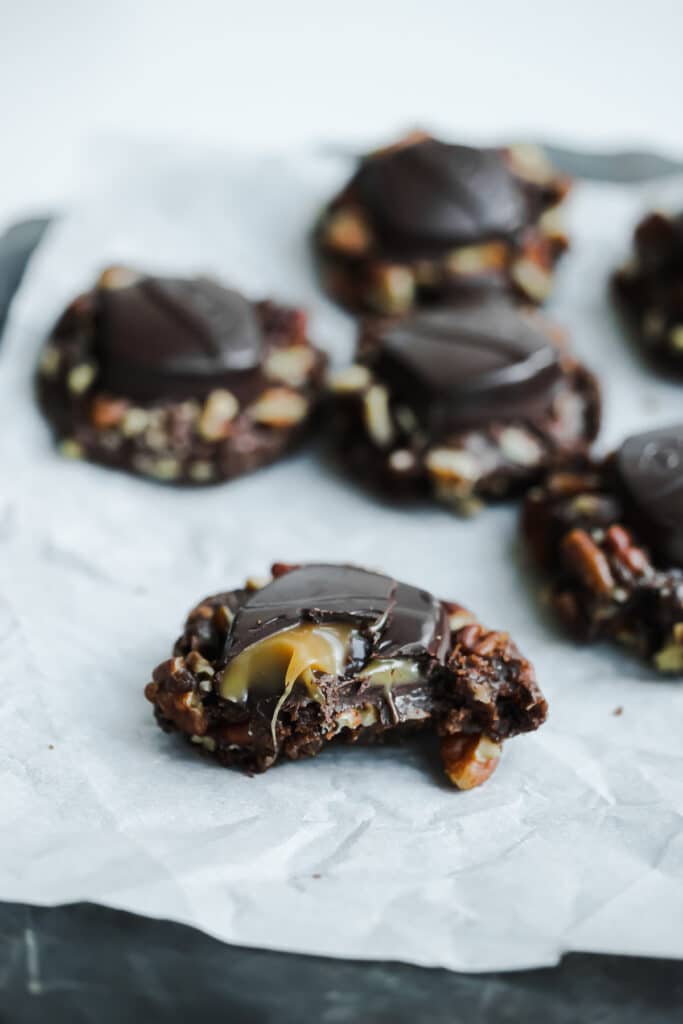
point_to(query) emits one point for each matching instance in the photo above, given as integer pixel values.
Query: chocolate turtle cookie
(468, 402)
(649, 289)
(180, 380)
(609, 536)
(327, 653)
(424, 219)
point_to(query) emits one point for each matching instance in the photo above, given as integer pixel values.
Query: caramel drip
(285, 658)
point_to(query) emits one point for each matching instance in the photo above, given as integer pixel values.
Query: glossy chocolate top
(650, 468)
(431, 195)
(391, 618)
(659, 244)
(174, 338)
(470, 363)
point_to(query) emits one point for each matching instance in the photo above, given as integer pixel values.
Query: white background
(604, 73)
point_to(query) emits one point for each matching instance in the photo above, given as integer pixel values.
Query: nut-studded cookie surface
(180, 380)
(649, 290)
(335, 653)
(610, 538)
(424, 219)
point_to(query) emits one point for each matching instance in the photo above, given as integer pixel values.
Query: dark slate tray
(84, 963)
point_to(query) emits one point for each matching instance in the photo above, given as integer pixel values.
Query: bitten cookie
(423, 219)
(333, 652)
(468, 402)
(649, 289)
(609, 535)
(183, 381)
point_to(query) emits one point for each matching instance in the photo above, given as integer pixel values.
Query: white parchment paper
(575, 844)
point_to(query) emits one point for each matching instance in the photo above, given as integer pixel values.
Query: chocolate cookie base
(603, 583)
(389, 287)
(191, 441)
(484, 694)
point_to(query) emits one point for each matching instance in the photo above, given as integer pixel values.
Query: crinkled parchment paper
(575, 844)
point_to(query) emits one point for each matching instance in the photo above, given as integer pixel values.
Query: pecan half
(583, 556)
(469, 760)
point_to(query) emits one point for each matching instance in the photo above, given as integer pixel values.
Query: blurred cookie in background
(424, 219)
(466, 403)
(609, 537)
(180, 380)
(648, 289)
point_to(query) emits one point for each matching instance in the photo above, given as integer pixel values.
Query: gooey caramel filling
(295, 654)
(288, 657)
